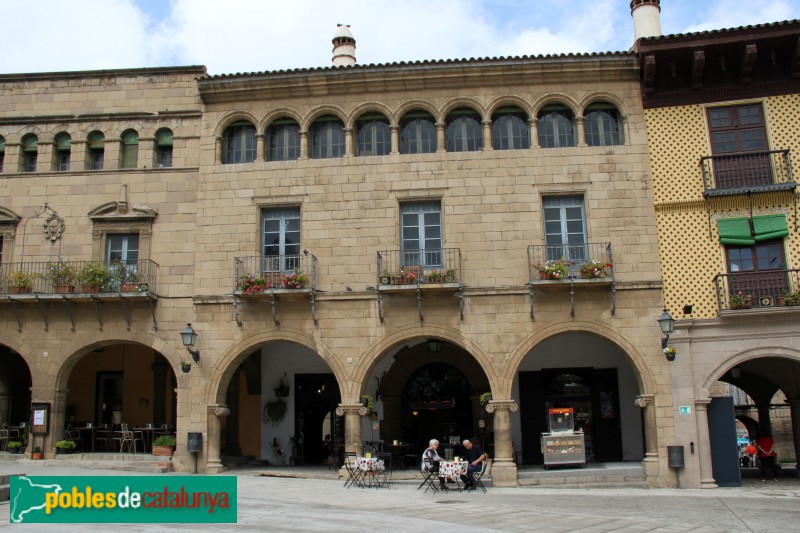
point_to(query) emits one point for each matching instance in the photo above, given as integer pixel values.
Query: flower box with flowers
(406, 276)
(595, 269)
(739, 300)
(556, 269)
(251, 284)
(295, 280)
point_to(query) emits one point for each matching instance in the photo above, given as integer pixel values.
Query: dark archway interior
(15, 383)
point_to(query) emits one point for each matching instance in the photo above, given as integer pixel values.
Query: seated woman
(430, 460)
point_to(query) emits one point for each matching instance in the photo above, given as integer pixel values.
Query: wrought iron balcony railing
(81, 277)
(260, 274)
(591, 261)
(729, 173)
(419, 267)
(768, 288)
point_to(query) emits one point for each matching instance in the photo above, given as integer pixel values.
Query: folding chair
(354, 476)
(429, 480)
(386, 457)
(487, 466)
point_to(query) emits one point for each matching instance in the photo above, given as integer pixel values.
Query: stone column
(218, 150)
(581, 137)
(504, 471)
(77, 155)
(704, 443)
(44, 158)
(624, 130)
(261, 154)
(395, 133)
(647, 403)
(440, 144)
(533, 125)
(352, 413)
(303, 145)
(348, 142)
(794, 407)
(159, 403)
(764, 421)
(11, 162)
(58, 419)
(112, 154)
(213, 459)
(487, 135)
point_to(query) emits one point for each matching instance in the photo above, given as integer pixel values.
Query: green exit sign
(685, 410)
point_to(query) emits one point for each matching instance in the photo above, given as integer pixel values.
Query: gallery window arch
(95, 150)
(510, 129)
(163, 148)
(463, 132)
(62, 151)
(283, 140)
(556, 126)
(239, 143)
(130, 149)
(373, 135)
(30, 152)
(602, 125)
(327, 137)
(418, 133)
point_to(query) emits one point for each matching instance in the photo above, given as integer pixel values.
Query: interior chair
(3, 439)
(74, 436)
(130, 438)
(486, 468)
(354, 476)
(103, 436)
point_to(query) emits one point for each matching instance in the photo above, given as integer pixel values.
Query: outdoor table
(373, 468)
(87, 435)
(452, 471)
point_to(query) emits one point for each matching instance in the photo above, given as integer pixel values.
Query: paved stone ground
(301, 504)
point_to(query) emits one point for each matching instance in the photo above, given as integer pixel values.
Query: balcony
(571, 266)
(754, 290)
(77, 282)
(274, 277)
(743, 173)
(414, 272)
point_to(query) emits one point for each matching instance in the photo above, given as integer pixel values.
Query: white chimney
(344, 46)
(646, 18)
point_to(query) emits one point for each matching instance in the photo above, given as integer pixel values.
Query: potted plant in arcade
(65, 446)
(164, 445)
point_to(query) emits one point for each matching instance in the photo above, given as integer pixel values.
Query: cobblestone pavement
(301, 504)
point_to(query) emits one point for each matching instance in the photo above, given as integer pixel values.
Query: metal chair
(386, 457)
(354, 475)
(486, 468)
(429, 480)
(4, 438)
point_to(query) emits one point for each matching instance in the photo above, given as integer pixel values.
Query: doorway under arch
(15, 388)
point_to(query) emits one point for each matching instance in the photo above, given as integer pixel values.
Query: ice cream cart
(562, 445)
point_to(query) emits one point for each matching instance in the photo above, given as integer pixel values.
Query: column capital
(643, 400)
(502, 405)
(702, 403)
(351, 408)
(219, 410)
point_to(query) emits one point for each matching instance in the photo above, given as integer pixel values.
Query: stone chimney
(344, 46)
(646, 18)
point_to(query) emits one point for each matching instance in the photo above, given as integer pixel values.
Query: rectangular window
(421, 233)
(63, 160)
(738, 142)
(96, 159)
(281, 239)
(30, 161)
(130, 155)
(758, 271)
(122, 248)
(564, 229)
(164, 157)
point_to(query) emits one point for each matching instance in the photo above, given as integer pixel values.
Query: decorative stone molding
(643, 400)
(219, 410)
(502, 405)
(355, 408)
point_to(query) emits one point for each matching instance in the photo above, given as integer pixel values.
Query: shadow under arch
(25, 351)
(220, 378)
(372, 356)
(760, 352)
(72, 352)
(644, 377)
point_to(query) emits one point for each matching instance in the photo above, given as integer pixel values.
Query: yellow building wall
(689, 249)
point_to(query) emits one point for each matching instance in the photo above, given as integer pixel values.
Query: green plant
(62, 274)
(22, 279)
(123, 273)
(485, 398)
(94, 273)
(14, 444)
(164, 440)
(739, 300)
(367, 401)
(554, 269)
(295, 280)
(670, 351)
(441, 276)
(66, 444)
(595, 269)
(37, 449)
(791, 298)
(275, 411)
(250, 284)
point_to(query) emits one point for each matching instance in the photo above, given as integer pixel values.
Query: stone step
(116, 461)
(589, 477)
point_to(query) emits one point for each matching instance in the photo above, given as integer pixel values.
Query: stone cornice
(420, 77)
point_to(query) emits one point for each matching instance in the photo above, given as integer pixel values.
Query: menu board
(40, 418)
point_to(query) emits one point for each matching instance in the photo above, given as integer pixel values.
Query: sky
(231, 36)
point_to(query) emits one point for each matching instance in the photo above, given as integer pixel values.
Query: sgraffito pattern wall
(689, 249)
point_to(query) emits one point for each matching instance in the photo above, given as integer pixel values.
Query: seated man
(475, 456)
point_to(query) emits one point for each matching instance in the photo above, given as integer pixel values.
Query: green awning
(738, 230)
